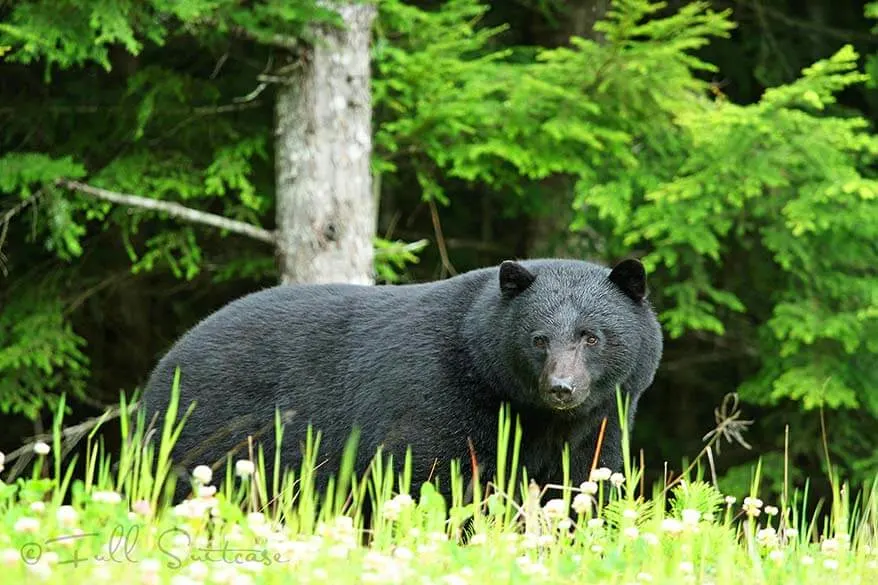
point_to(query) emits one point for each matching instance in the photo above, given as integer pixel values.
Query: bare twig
(440, 240)
(4, 224)
(69, 438)
(174, 209)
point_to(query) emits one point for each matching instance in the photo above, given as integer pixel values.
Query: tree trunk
(326, 218)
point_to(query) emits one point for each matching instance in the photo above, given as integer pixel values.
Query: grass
(112, 526)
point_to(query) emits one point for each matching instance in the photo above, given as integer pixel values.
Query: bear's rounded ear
(630, 276)
(514, 279)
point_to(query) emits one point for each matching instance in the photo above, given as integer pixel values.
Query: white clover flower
(830, 564)
(38, 507)
(830, 546)
(564, 524)
(555, 508)
(26, 524)
(650, 538)
(41, 448)
(106, 497)
(807, 560)
(672, 526)
(2, 460)
(10, 557)
(142, 508)
(771, 510)
(687, 568)
(629, 514)
(776, 555)
(403, 553)
(198, 570)
(203, 474)
(596, 549)
(730, 500)
(752, 506)
(588, 487)
(631, 532)
(391, 509)
(244, 468)
(595, 522)
(708, 517)
(644, 577)
(205, 491)
(767, 537)
(617, 479)
(582, 503)
(790, 532)
(600, 474)
(690, 516)
(66, 515)
(404, 500)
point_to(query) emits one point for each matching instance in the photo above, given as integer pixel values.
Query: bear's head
(575, 331)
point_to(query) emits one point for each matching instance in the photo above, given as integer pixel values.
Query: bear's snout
(565, 382)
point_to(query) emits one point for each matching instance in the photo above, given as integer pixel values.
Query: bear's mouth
(566, 401)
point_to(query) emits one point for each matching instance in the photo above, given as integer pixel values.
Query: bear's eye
(540, 341)
(590, 339)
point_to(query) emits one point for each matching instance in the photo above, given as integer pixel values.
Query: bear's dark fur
(426, 365)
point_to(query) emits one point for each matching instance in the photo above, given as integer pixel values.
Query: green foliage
(40, 354)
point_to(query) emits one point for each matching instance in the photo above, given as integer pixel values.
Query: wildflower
(752, 506)
(66, 515)
(767, 537)
(830, 546)
(872, 565)
(644, 577)
(600, 474)
(807, 560)
(41, 448)
(555, 508)
(106, 497)
(244, 468)
(650, 538)
(404, 554)
(630, 514)
(595, 522)
(771, 510)
(776, 555)
(588, 487)
(582, 503)
(564, 524)
(26, 524)
(690, 516)
(597, 549)
(790, 532)
(631, 532)
(687, 568)
(707, 517)
(10, 557)
(391, 509)
(198, 570)
(38, 507)
(672, 526)
(617, 479)
(205, 491)
(202, 474)
(2, 460)
(142, 508)
(730, 500)
(830, 564)
(41, 569)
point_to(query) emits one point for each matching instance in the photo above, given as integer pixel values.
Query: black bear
(422, 365)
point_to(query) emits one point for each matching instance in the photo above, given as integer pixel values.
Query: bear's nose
(561, 388)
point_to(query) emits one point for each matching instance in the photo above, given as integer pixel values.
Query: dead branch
(173, 209)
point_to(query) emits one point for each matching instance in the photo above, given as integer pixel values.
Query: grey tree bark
(326, 214)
